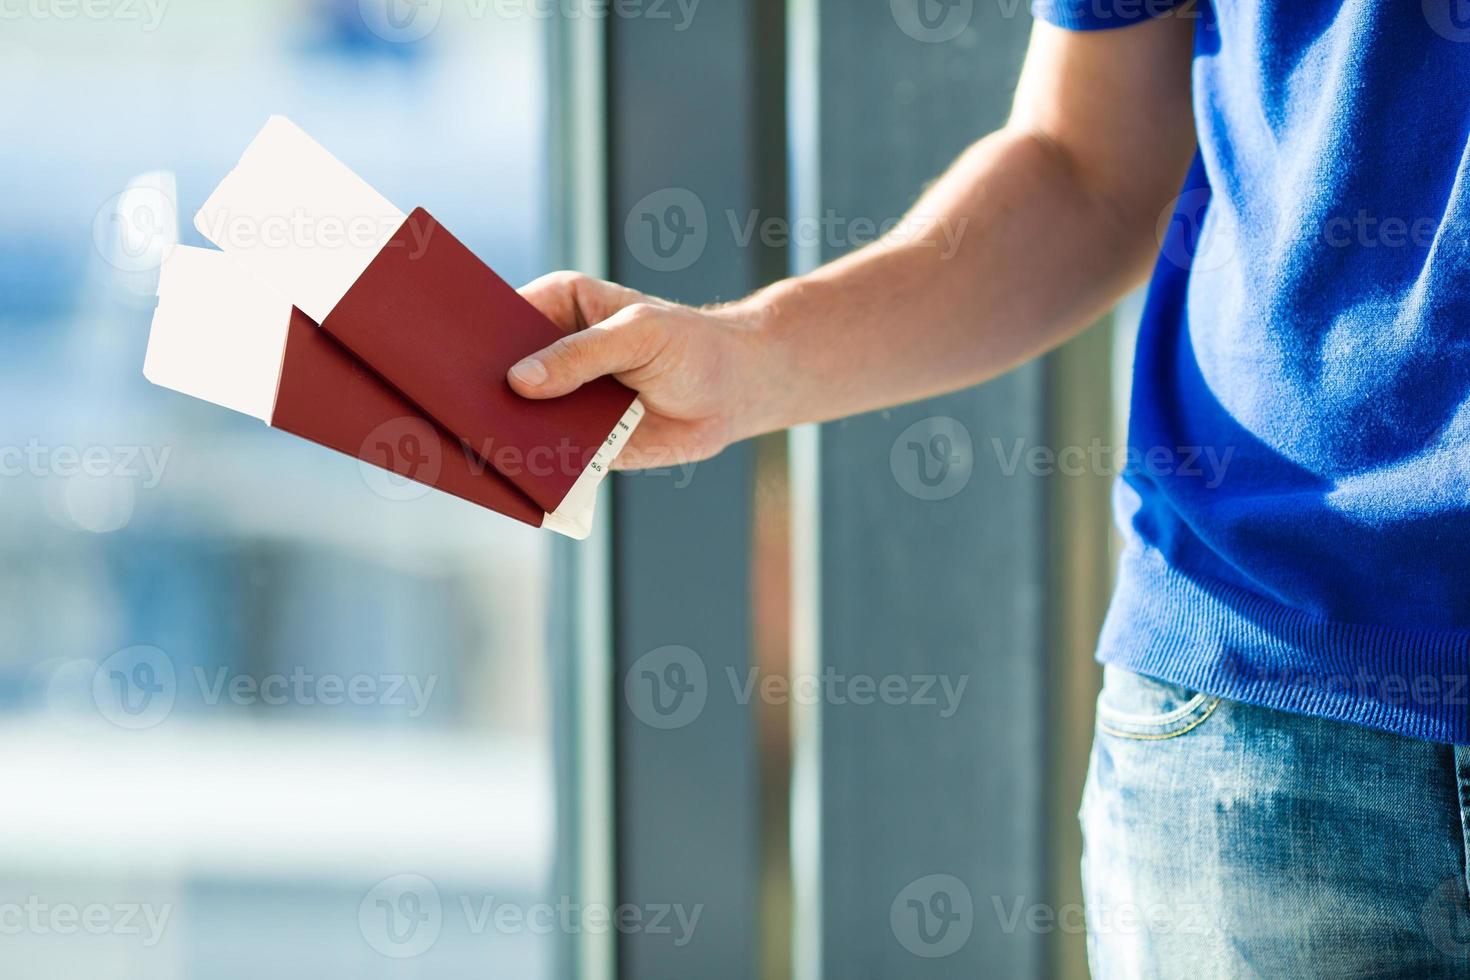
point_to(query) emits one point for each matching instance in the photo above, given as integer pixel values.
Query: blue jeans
(1226, 840)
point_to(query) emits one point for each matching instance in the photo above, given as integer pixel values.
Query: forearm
(1031, 235)
(1011, 253)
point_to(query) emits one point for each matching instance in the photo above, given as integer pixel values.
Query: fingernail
(530, 371)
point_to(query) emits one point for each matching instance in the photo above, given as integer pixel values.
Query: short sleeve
(1099, 15)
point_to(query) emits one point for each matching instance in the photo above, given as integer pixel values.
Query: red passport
(421, 311)
(221, 335)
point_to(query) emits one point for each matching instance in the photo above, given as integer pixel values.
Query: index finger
(574, 301)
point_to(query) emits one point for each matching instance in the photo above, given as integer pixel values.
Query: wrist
(764, 386)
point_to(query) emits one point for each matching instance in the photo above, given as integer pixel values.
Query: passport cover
(421, 310)
(444, 329)
(222, 336)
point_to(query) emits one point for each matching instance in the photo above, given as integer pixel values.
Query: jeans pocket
(1135, 706)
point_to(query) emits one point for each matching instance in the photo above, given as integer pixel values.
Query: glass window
(263, 714)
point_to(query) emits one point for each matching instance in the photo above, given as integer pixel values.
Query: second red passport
(441, 327)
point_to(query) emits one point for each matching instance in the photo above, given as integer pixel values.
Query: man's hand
(1030, 236)
(695, 370)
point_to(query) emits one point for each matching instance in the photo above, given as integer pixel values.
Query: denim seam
(1462, 788)
(1209, 710)
(1186, 709)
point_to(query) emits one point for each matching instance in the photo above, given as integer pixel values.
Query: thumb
(623, 342)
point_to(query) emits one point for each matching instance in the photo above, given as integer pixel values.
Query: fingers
(658, 444)
(573, 301)
(627, 340)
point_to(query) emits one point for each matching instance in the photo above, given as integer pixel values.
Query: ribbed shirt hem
(1238, 645)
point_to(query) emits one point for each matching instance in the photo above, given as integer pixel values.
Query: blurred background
(234, 551)
(268, 713)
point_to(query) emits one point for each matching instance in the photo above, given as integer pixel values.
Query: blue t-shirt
(1297, 496)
